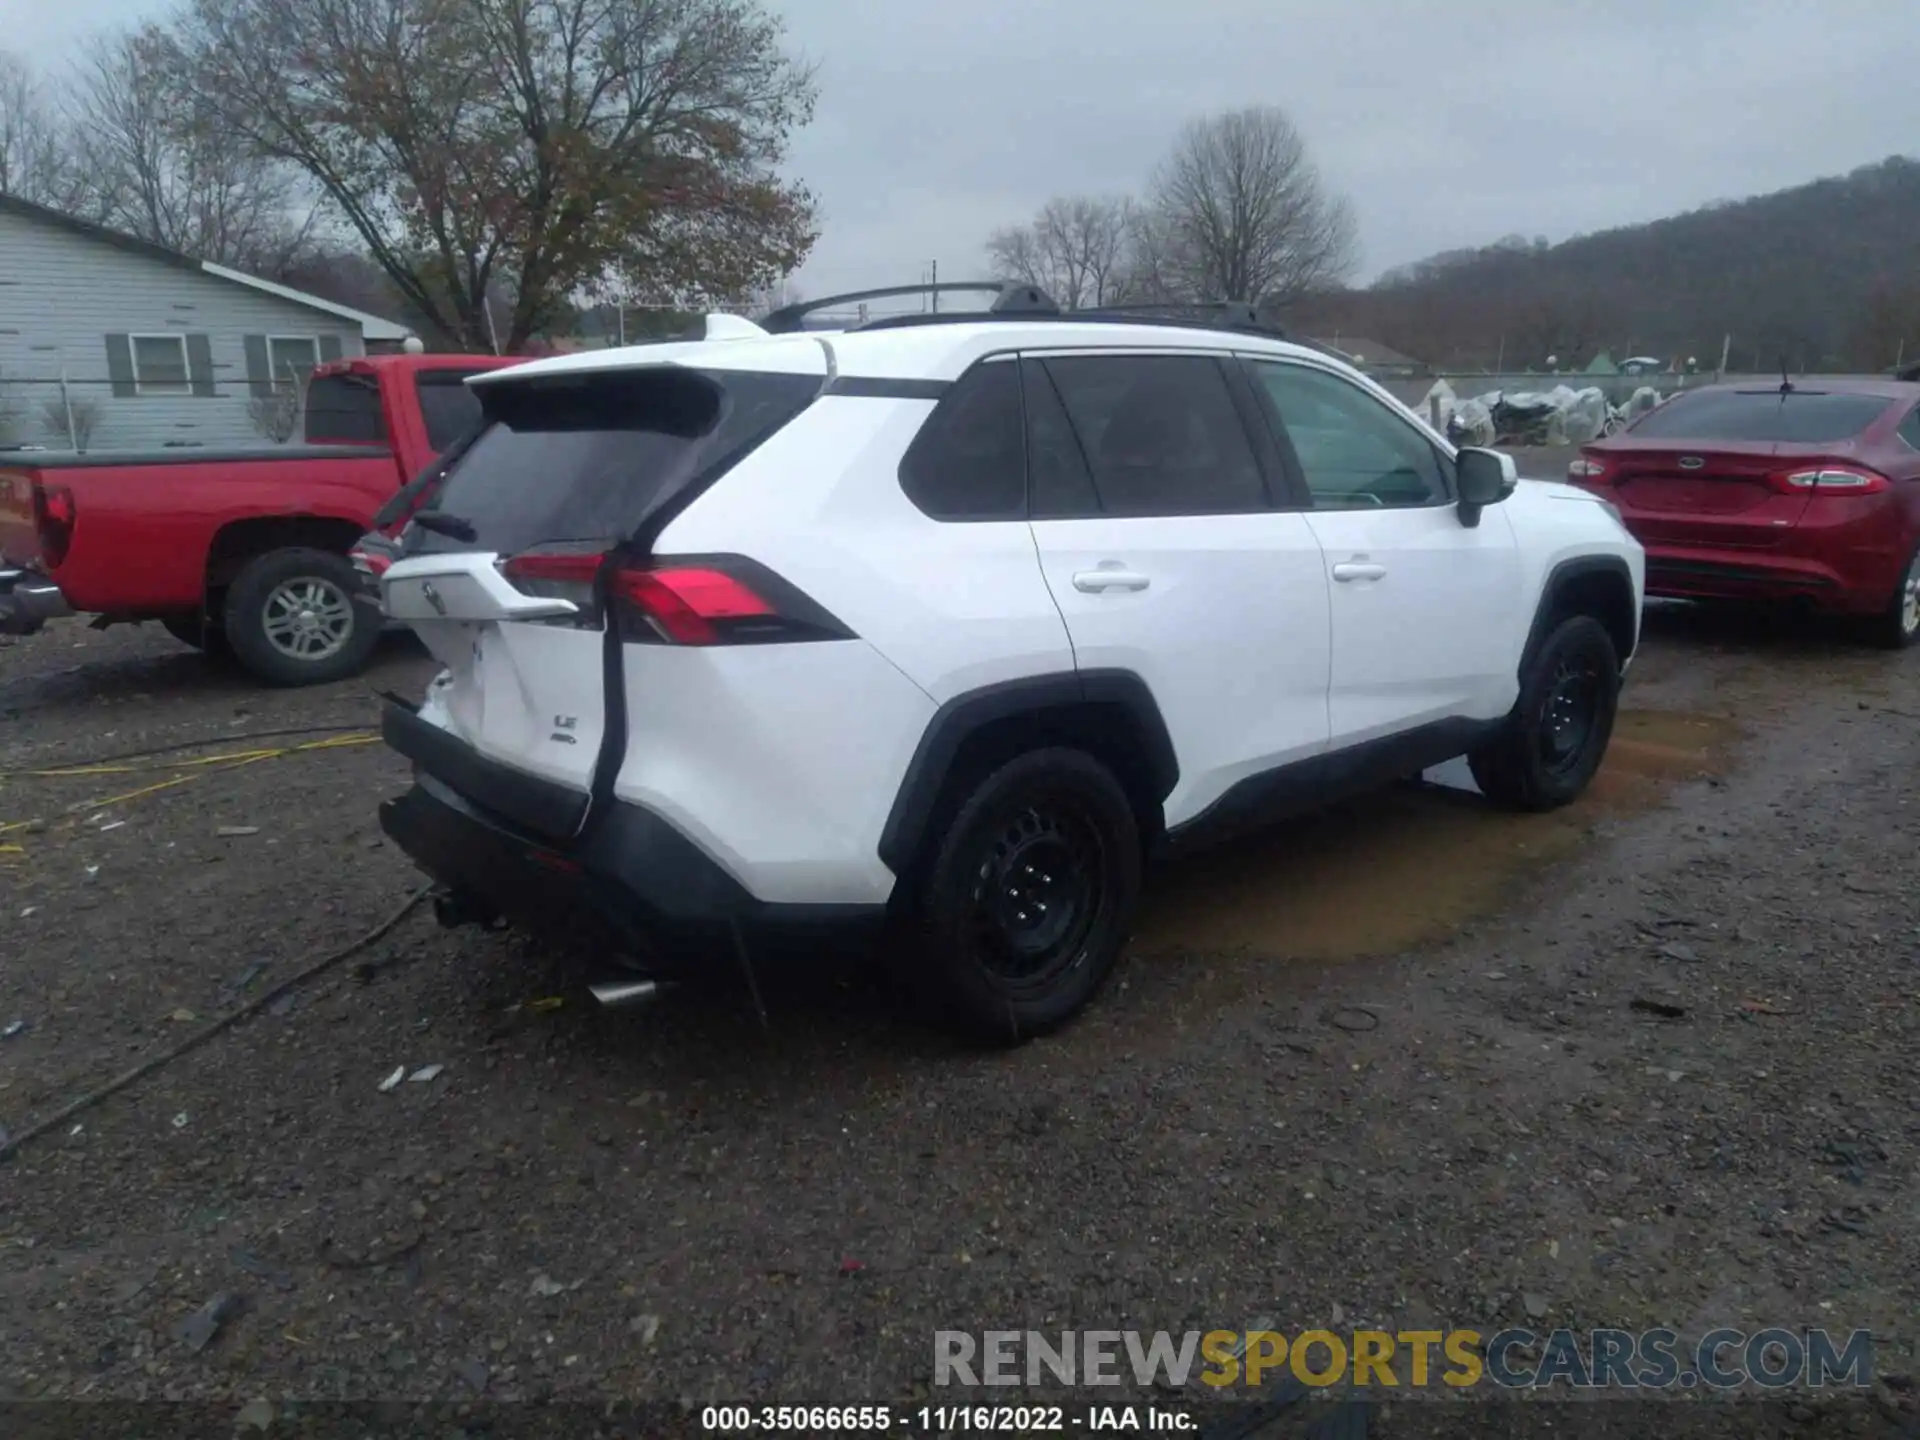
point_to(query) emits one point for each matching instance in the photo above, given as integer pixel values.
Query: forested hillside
(1826, 276)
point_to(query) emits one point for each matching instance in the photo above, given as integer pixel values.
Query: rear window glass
(345, 410)
(448, 407)
(571, 457)
(1797, 418)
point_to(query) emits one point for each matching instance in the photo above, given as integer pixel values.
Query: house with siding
(108, 342)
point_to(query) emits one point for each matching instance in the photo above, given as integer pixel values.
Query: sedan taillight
(1832, 480)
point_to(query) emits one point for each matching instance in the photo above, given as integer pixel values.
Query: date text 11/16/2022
(940, 1419)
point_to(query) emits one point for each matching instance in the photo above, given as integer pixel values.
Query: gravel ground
(1384, 1070)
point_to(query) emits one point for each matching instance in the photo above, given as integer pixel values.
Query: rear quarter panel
(143, 531)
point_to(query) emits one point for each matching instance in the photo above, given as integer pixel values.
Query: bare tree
(70, 419)
(34, 161)
(1073, 249)
(538, 147)
(1237, 211)
(161, 167)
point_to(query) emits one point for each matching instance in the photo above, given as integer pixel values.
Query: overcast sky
(1447, 124)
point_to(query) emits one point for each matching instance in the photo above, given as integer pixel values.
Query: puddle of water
(1406, 866)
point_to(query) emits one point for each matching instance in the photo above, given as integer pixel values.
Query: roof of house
(1363, 354)
(372, 327)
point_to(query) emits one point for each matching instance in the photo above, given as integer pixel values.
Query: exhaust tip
(618, 994)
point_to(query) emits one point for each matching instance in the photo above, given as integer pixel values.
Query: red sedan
(1807, 492)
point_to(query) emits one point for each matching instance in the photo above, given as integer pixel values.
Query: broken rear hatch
(504, 571)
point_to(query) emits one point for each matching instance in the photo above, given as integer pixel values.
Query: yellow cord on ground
(332, 742)
(195, 768)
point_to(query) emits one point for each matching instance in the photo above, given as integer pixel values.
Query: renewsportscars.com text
(1771, 1359)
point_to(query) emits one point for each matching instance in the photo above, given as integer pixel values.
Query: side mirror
(1483, 478)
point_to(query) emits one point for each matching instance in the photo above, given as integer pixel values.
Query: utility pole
(935, 292)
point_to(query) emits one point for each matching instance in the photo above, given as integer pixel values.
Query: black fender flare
(1562, 578)
(1034, 695)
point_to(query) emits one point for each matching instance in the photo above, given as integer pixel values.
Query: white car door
(1424, 606)
(1168, 559)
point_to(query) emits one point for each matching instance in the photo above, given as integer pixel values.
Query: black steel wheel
(1024, 905)
(1552, 743)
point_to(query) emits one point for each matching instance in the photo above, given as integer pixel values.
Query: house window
(291, 359)
(160, 365)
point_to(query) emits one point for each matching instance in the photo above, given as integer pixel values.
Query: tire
(292, 620)
(987, 965)
(1898, 626)
(191, 630)
(1555, 738)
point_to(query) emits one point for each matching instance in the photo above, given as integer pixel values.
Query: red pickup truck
(243, 552)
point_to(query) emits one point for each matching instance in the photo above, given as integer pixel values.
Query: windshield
(1800, 417)
(587, 458)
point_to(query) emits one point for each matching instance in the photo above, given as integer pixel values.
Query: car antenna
(1786, 383)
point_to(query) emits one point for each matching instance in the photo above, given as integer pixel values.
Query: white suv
(953, 621)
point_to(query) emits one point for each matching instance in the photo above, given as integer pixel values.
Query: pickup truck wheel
(196, 632)
(292, 620)
(1554, 741)
(1025, 903)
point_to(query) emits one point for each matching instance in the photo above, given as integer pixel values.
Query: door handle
(1358, 570)
(1093, 582)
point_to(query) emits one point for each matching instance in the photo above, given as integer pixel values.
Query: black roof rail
(1028, 302)
(1215, 314)
(1009, 299)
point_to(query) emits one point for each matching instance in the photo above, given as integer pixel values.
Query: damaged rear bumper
(630, 880)
(28, 600)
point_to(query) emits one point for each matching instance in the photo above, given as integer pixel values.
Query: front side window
(1353, 451)
(1160, 434)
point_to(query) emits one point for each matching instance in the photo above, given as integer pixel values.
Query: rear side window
(1800, 417)
(1160, 433)
(449, 408)
(1910, 429)
(345, 410)
(589, 457)
(967, 462)
(1056, 470)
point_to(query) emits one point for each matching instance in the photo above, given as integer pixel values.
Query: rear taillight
(54, 514)
(709, 600)
(1831, 480)
(1584, 471)
(696, 605)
